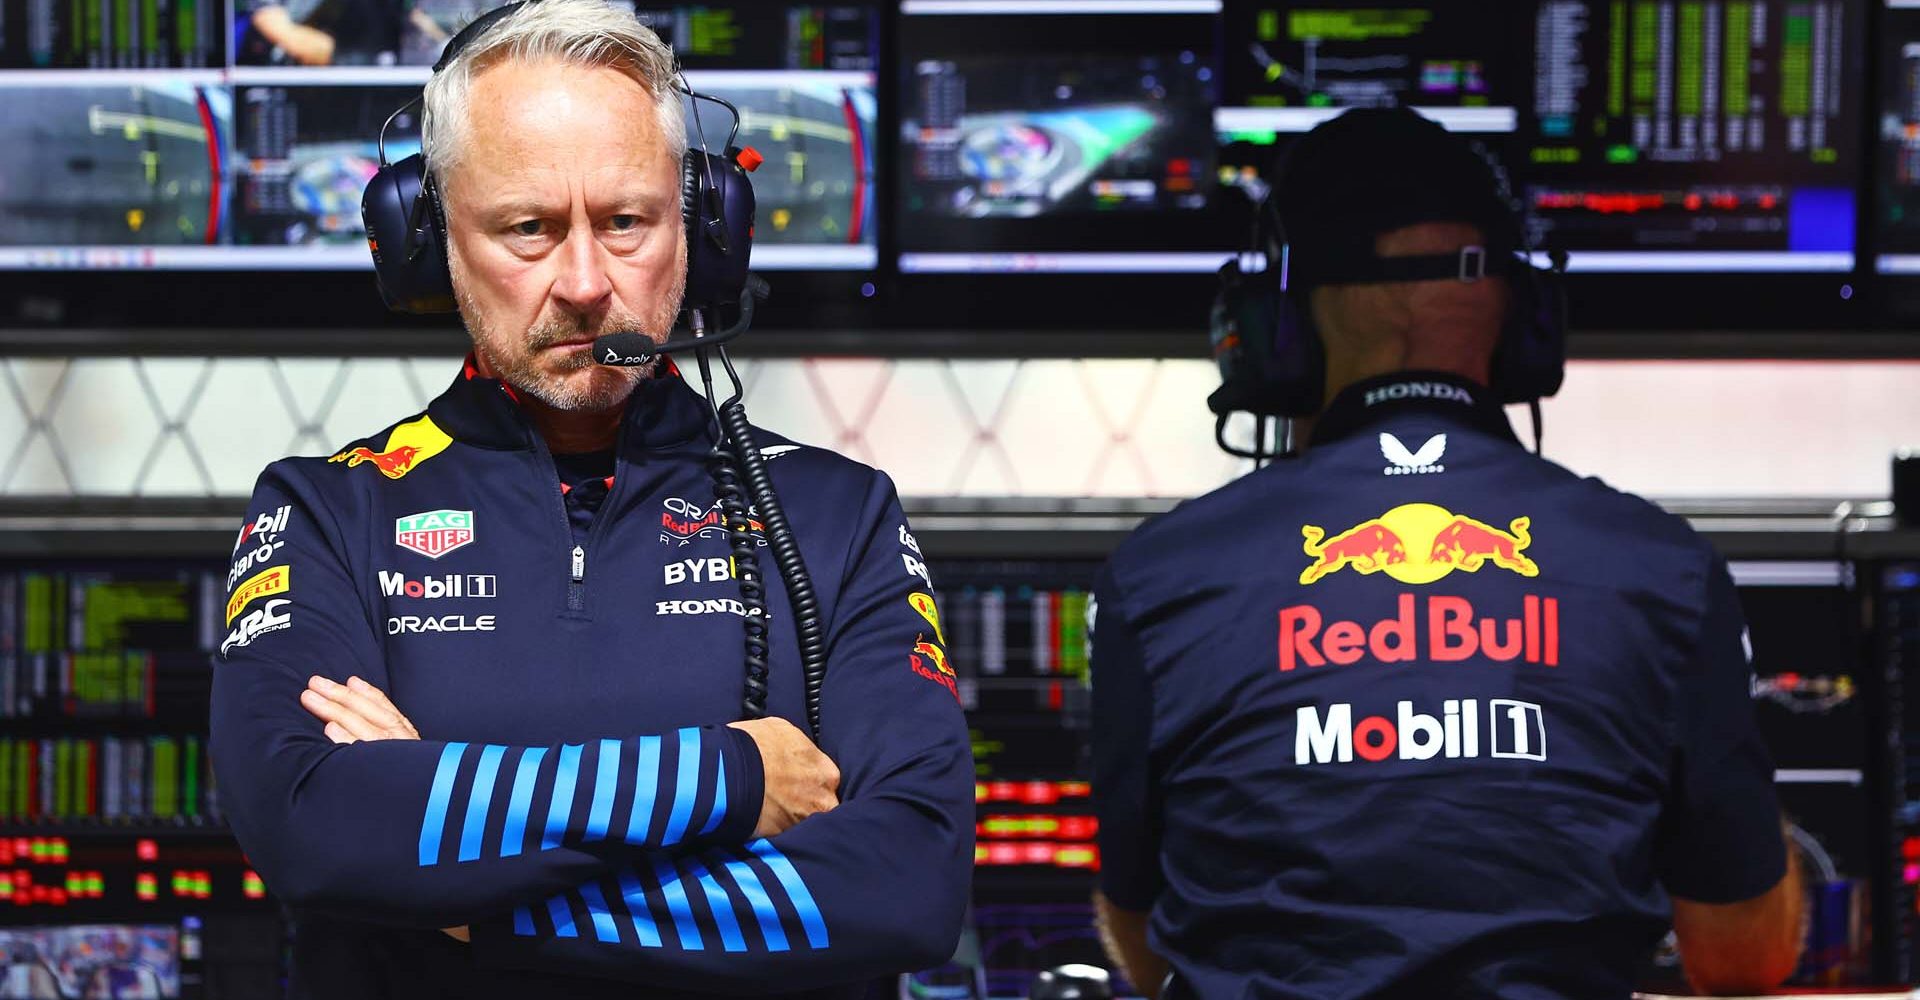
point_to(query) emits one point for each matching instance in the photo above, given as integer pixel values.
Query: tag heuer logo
(434, 533)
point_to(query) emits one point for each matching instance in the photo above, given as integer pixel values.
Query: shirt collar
(663, 412)
(1423, 392)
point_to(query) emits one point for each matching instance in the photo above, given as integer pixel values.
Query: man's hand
(800, 780)
(355, 711)
(1123, 933)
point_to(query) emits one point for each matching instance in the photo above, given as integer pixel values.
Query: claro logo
(1515, 730)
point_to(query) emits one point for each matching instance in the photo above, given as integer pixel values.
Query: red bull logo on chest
(1418, 543)
(410, 444)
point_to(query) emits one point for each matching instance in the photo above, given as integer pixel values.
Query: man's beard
(558, 385)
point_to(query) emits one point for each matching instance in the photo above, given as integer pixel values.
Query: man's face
(563, 225)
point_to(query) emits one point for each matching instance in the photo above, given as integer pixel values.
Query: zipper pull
(579, 564)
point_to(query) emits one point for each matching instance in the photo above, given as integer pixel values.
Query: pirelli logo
(273, 580)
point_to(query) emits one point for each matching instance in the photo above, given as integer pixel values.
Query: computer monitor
(91, 960)
(1897, 133)
(1291, 66)
(122, 153)
(1050, 137)
(150, 34)
(139, 165)
(803, 77)
(1668, 136)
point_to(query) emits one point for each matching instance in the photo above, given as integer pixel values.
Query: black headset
(407, 225)
(1271, 357)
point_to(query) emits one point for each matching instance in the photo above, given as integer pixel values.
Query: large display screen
(1677, 136)
(144, 134)
(1026, 145)
(1061, 137)
(107, 960)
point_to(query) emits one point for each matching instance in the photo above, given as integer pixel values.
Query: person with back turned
(1417, 713)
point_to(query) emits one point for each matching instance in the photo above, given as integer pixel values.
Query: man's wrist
(746, 783)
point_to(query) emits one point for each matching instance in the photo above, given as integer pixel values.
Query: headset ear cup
(1298, 360)
(718, 208)
(690, 201)
(406, 233)
(1271, 360)
(1530, 361)
(436, 220)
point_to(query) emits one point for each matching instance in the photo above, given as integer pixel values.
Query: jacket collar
(662, 413)
(1440, 394)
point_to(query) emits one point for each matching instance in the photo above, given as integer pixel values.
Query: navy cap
(1374, 170)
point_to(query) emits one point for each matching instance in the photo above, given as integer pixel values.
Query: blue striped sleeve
(603, 926)
(676, 895)
(719, 810)
(528, 774)
(635, 896)
(562, 913)
(434, 824)
(686, 787)
(606, 779)
(561, 808)
(721, 905)
(479, 800)
(796, 887)
(762, 904)
(646, 781)
(573, 814)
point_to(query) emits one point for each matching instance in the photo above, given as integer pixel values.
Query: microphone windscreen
(624, 349)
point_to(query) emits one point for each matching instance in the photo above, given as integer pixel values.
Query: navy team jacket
(576, 797)
(1421, 714)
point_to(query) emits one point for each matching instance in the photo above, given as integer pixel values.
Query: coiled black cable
(746, 574)
(786, 552)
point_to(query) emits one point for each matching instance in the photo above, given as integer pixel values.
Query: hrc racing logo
(263, 533)
(434, 533)
(1515, 730)
(683, 521)
(410, 444)
(1418, 543)
(267, 582)
(269, 617)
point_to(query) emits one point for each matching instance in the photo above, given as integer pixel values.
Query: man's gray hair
(574, 32)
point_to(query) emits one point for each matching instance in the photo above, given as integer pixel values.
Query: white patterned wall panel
(205, 426)
(36, 462)
(1736, 428)
(241, 421)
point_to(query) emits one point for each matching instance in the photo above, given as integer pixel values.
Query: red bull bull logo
(410, 444)
(392, 464)
(934, 653)
(1467, 544)
(1418, 543)
(930, 661)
